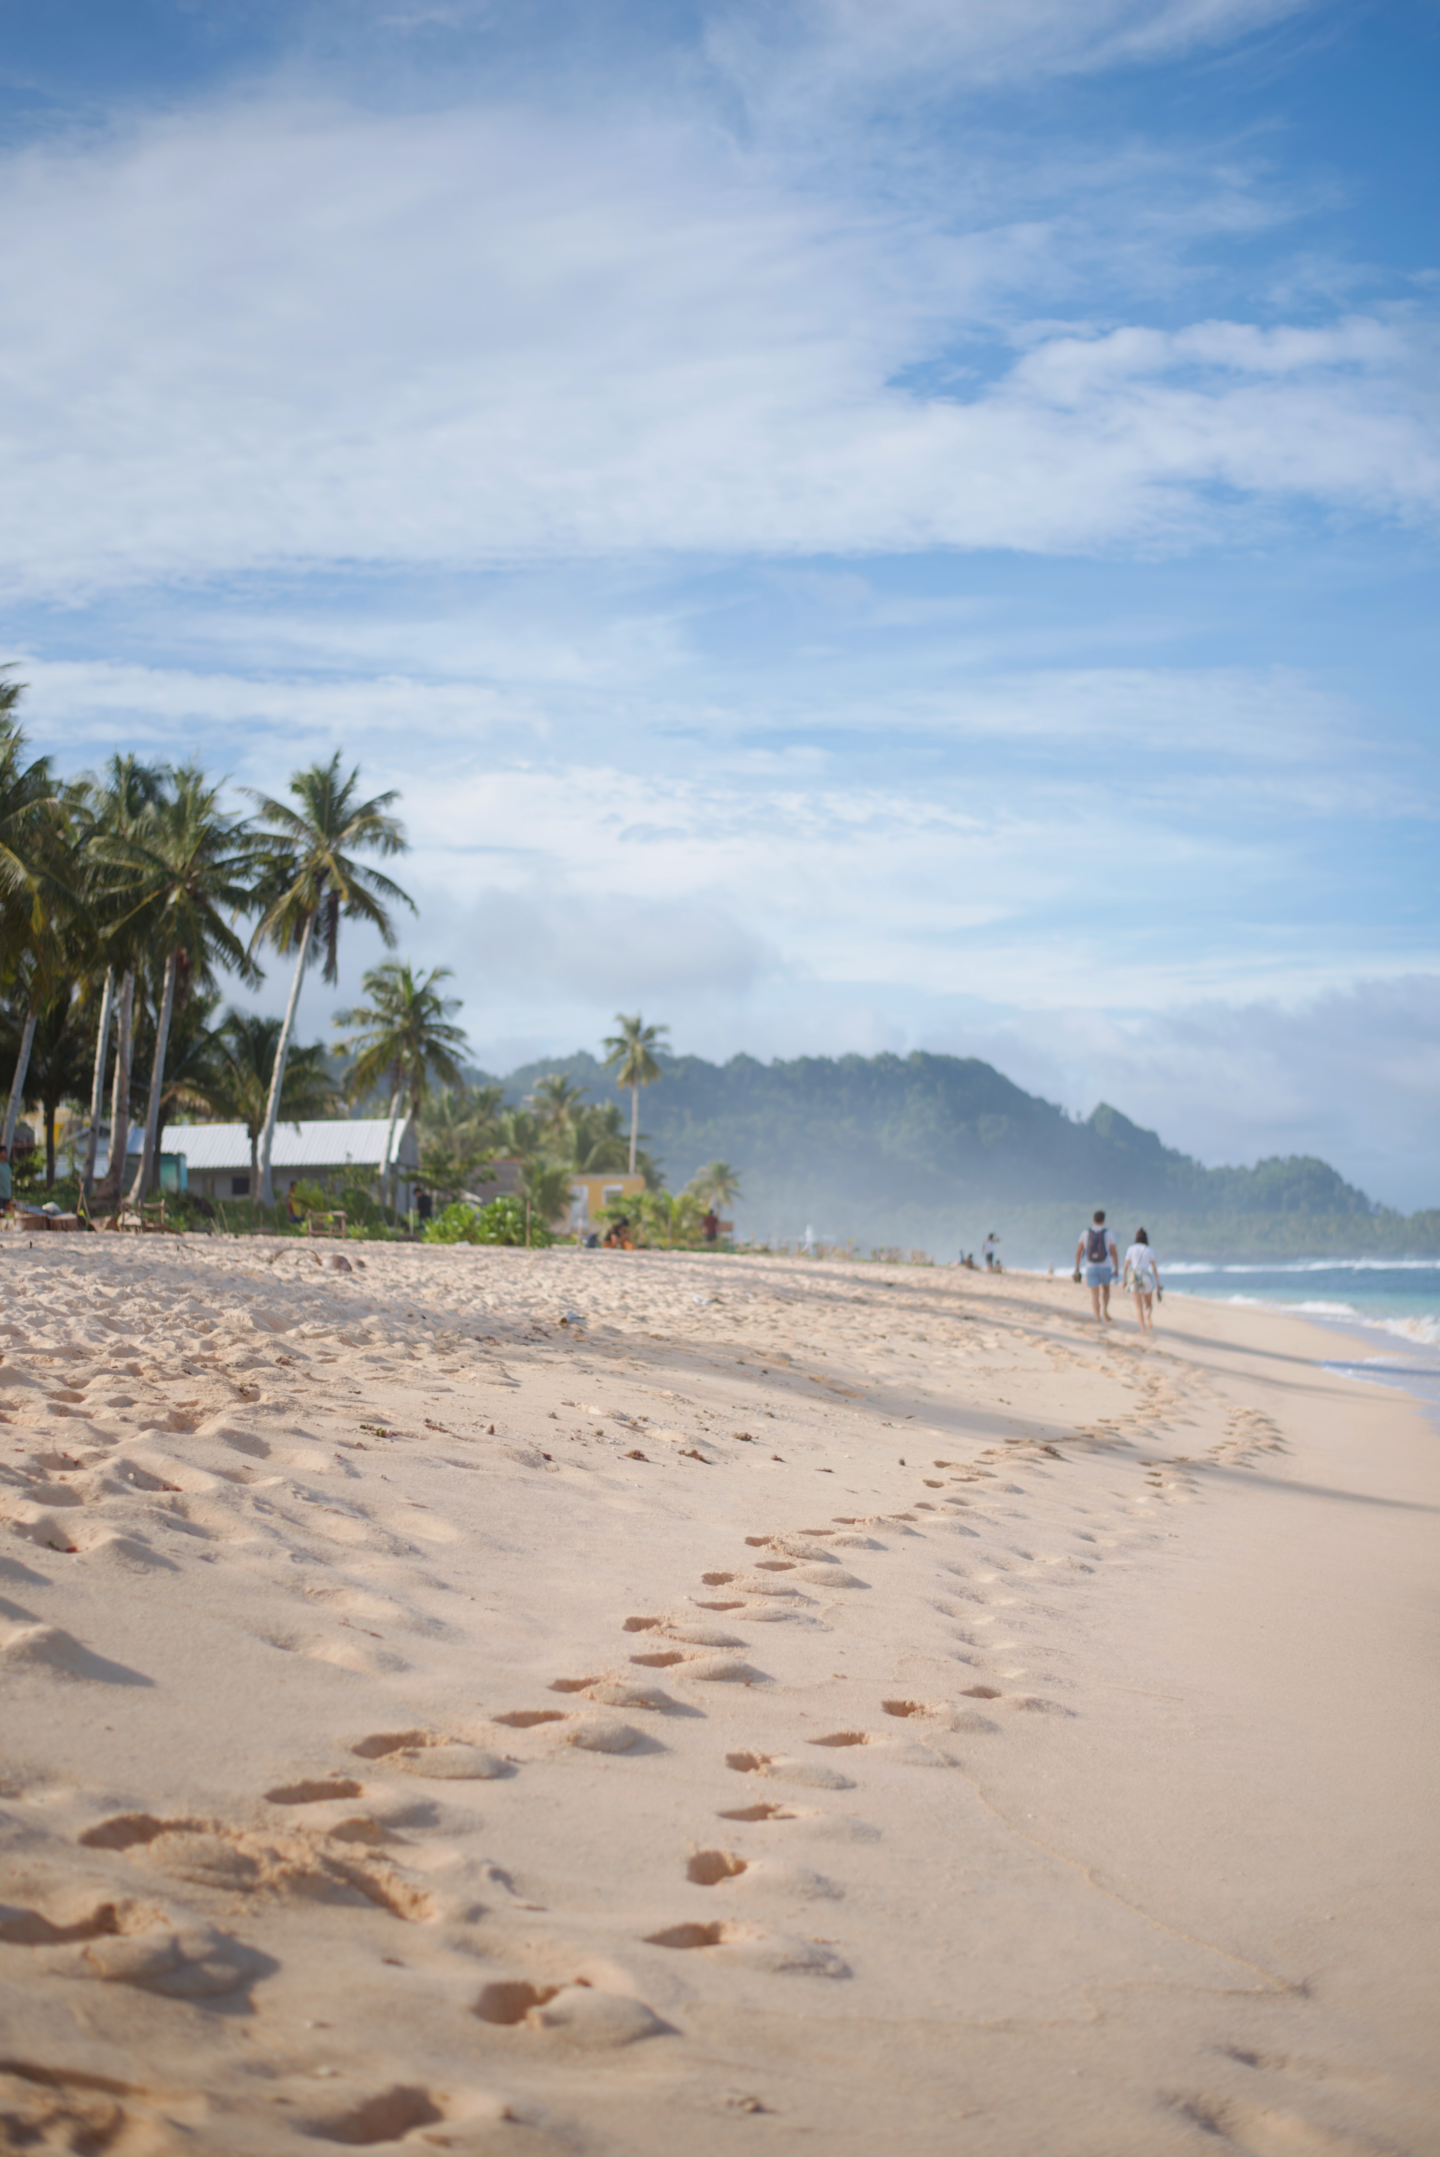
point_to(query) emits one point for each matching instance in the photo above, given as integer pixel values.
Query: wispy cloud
(278, 335)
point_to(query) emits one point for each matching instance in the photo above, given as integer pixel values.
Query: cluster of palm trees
(123, 894)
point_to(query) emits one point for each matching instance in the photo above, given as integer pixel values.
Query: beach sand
(542, 1703)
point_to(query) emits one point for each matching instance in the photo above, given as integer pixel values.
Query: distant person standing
(1142, 1277)
(989, 1251)
(1097, 1255)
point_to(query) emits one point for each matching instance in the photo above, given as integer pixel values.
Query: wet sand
(497, 1702)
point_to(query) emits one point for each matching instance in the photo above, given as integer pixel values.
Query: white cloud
(280, 336)
(819, 50)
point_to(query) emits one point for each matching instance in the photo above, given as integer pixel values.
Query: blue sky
(851, 528)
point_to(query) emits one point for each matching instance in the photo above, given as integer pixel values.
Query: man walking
(1097, 1253)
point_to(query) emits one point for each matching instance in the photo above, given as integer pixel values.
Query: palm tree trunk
(120, 1091)
(634, 1124)
(277, 1075)
(254, 1169)
(51, 1111)
(146, 1169)
(17, 1085)
(387, 1169)
(97, 1090)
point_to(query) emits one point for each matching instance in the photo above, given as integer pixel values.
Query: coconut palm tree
(459, 1133)
(718, 1185)
(633, 1049)
(59, 1057)
(111, 805)
(313, 883)
(401, 1038)
(35, 893)
(181, 876)
(598, 1142)
(555, 1101)
(236, 1089)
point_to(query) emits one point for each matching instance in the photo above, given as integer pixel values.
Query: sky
(850, 528)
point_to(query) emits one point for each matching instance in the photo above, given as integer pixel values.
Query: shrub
(502, 1221)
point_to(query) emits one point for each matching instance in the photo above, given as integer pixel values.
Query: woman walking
(1142, 1277)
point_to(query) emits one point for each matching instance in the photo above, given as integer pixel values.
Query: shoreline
(528, 1702)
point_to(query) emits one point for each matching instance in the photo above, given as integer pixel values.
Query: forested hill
(922, 1148)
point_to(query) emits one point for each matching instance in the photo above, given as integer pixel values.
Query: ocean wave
(1306, 1265)
(1425, 1330)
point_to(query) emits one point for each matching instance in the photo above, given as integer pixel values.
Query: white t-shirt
(1141, 1260)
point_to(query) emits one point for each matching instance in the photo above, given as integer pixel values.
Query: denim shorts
(1099, 1276)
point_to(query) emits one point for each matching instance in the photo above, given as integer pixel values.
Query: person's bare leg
(1105, 1296)
(1095, 1303)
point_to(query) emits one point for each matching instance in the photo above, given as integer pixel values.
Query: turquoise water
(1391, 1311)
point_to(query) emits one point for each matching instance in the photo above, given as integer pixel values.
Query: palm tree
(111, 805)
(555, 1100)
(598, 1141)
(718, 1185)
(60, 1052)
(459, 1133)
(401, 1038)
(177, 874)
(633, 1049)
(35, 893)
(237, 1087)
(313, 881)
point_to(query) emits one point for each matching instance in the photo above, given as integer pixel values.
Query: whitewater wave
(1307, 1265)
(1425, 1330)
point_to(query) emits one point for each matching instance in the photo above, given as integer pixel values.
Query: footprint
(981, 1692)
(688, 1935)
(707, 1868)
(844, 1737)
(579, 2013)
(314, 1793)
(748, 1763)
(441, 1759)
(759, 1812)
(663, 1659)
(528, 1718)
(761, 1950)
(384, 2118)
(717, 1580)
(580, 1685)
(736, 1605)
(640, 1625)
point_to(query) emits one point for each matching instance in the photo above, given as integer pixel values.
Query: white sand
(1015, 1743)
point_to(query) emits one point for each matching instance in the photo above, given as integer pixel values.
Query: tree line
(126, 893)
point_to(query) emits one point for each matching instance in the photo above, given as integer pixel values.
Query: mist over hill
(932, 1151)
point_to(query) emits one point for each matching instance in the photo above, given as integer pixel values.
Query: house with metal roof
(331, 1149)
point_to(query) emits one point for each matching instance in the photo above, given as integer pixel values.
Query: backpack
(1097, 1246)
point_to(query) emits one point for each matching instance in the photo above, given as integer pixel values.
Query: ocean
(1389, 1309)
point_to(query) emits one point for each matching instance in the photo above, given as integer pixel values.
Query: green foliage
(460, 1132)
(501, 1221)
(455, 1224)
(309, 1197)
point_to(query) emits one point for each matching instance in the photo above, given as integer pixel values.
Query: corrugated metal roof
(331, 1142)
